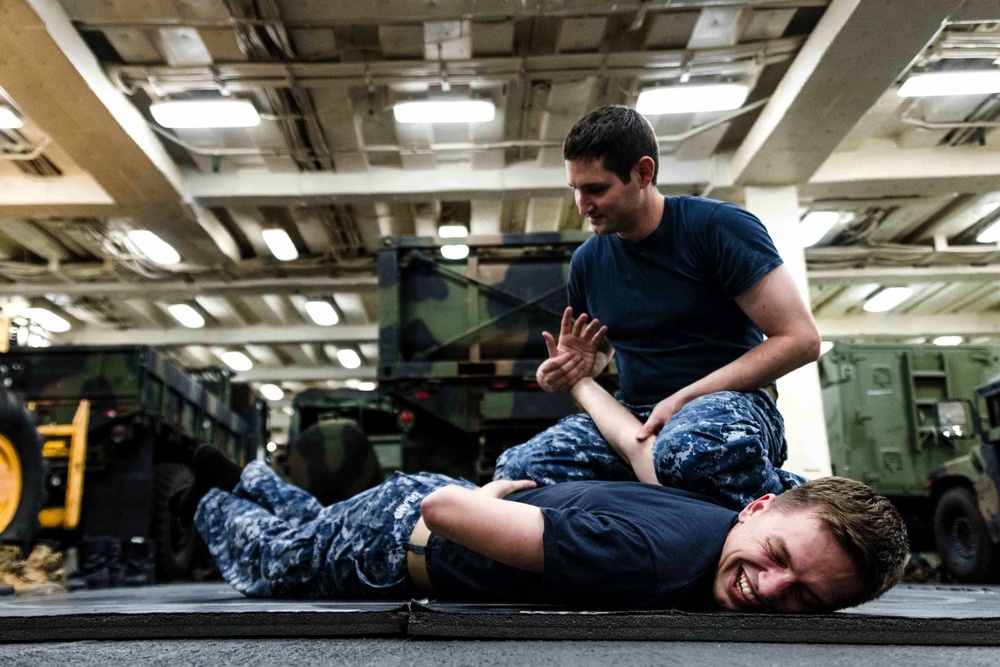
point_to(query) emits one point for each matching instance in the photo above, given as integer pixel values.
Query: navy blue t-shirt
(608, 545)
(667, 300)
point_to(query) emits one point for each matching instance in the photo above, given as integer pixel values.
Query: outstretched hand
(572, 357)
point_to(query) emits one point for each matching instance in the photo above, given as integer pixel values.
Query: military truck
(906, 419)
(966, 494)
(118, 426)
(459, 343)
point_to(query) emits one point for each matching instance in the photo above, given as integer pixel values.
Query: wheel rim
(960, 539)
(10, 482)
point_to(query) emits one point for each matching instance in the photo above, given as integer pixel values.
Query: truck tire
(175, 540)
(967, 552)
(22, 471)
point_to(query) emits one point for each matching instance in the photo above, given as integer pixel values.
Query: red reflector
(406, 417)
(533, 385)
(421, 395)
(499, 385)
(110, 414)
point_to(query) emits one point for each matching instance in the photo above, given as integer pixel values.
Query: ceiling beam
(906, 326)
(184, 290)
(259, 335)
(822, 96)
(55, 80)
(523, 180)
(905, 275)
(881, 168)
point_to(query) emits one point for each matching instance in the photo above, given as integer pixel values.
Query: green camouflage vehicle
(905, 420)
(118, 427)
(965, 492)
(459, 343)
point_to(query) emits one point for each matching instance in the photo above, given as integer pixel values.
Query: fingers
(650, 428)
(566, 326)
(550, 344)
(559, 373)
(580, 325)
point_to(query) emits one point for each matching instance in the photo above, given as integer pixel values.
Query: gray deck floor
(911, 614)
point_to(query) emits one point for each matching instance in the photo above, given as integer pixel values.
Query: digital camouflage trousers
(272, 539)
(728, 445)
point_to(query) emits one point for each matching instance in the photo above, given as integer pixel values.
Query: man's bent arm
(506, 531)
(618, 426)
(774, 304)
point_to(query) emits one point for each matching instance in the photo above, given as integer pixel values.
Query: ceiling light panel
(444, 111)
(200, 114)
(888, 299)
(280, 244)
(186, 315)
(153, 247)
(691, 99)
(9, 121)
(936, 84)
(322, 313)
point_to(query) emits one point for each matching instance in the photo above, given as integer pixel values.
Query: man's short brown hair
(867, 526)
(617, 136)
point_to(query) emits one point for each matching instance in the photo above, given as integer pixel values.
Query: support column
(799, 396)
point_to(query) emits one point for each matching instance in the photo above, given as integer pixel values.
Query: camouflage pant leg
(570, 451)
(285, 501)
(352, 549)
(728, 445)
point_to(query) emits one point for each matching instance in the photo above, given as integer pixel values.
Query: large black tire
(22, 471)
(967, 552)
(176, 540)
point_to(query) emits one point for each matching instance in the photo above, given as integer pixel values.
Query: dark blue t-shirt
(608, 545)
(667, 300)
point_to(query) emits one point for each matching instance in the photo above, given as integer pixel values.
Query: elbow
(811, 346)
(436, 505)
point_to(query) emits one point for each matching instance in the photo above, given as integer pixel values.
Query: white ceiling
(330, 165)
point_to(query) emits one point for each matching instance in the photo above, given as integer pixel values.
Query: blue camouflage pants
(272, 539)
(728, 445)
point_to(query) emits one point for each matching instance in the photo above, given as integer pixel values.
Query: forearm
(756, 368)
(507, 532)
(618, 426)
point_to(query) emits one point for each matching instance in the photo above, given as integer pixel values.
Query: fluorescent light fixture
(272, 392)
(47, 320)
(453, 231)
(933, 84)
(947, 341)
(444, 111)
(825, 347)
(366, 386)
(455, 251)
(888, 299)
(352, 383)
(322, 313)
(348, 358)
(691, 99)
(992, 233)
(186, 315)
(153, 247)
(8, 120)
(205, 114)
(815, 226)
(280, 244)
(237, 361)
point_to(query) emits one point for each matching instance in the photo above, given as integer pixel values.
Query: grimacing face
(609, 205)
(784, 561)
